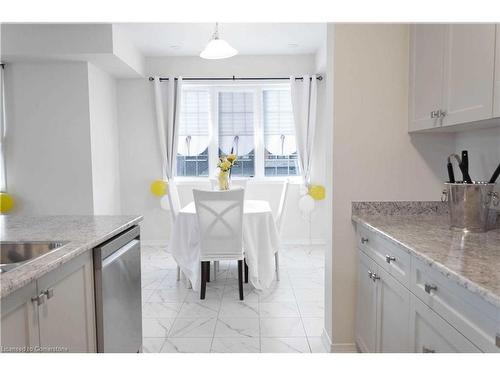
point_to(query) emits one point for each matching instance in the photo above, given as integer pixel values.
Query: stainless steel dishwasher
(117, 277)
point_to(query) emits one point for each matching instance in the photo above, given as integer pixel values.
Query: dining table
(260, 243)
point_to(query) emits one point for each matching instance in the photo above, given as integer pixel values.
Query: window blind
(195, 110)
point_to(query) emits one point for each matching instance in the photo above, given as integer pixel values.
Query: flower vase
(223, 180)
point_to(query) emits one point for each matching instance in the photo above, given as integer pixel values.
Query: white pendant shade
(218, 49)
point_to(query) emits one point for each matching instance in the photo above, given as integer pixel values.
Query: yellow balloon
(6, 203)
(317, 192)
(159, 188)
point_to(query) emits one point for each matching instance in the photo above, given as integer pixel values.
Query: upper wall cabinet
(452, 73)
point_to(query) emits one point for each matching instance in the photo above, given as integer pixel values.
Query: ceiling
(189, 39)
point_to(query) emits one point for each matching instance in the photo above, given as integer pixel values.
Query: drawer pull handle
(364, 240)
(429, 287)
(375, 277)
(389, 259)
(49, 293)
(40, 300)
(427, 350)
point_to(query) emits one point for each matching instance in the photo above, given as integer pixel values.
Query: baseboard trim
(285, 243)
(337, 348)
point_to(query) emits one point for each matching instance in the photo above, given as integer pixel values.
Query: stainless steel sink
(13, 254)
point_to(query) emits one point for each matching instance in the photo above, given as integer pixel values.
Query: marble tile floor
(287, 318)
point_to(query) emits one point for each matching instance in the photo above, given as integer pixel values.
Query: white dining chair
(175, 207)
(220, 220)
(279, 222)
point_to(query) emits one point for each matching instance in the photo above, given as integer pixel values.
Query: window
(192, 145)
(236, 130)
(280, 149)
(254, 122)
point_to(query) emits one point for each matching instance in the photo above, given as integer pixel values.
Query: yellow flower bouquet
(225, 164)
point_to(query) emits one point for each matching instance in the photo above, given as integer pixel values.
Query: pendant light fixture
(217, 48)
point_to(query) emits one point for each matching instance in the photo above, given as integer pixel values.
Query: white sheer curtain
(3, 129)
(304, 101)
(168, 107)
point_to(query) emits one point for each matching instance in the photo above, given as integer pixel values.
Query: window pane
(280, 154)
(192, 146)
(236, 132)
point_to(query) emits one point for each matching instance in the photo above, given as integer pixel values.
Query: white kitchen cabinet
(382, 311)
(429, 333)
(67, 318)
(452, 69)
(19, 324)
(393, 313)
(366, 310)
(469, 73)
(426, 75)
(55, 313)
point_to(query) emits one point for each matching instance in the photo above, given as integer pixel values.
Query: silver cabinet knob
(389, 259)
(375, 277)
(435, 114)
(49, 293)
(40, 300)
(441, 113)
(427, 350)
(430, 287)
(370, 274)
(364, 240)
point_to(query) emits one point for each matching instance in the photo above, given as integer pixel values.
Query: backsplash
(400, 208)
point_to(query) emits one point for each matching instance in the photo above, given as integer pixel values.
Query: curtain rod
(233, 78)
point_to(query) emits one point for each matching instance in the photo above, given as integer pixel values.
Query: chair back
(235, 183)
(220, 220)
(281, 207)
(173, 199)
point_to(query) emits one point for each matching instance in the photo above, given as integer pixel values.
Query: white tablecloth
(260, 242)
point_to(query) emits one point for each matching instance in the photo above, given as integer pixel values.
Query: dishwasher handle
(118, 253)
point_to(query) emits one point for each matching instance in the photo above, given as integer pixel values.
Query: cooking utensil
(495, 175)
(449, 166)
(464, 167)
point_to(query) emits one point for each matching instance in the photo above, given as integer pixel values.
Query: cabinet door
(469, 73)
(426, 75)
(67, 318)
(429, 333)
(496, 88)
(366, 313)
(393, 312)
(19, 323)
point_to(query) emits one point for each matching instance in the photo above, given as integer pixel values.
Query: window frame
(258, 119)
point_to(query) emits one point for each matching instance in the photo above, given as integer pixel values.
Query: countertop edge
(461, 280)
(8, 288)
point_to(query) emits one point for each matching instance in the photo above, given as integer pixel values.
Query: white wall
(374, 157)
(104, 142)
(49, 167)
(139, 154)
(483, 146)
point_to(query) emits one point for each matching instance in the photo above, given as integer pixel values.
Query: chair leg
(203, 288)
(215, 270)
(277, 261)
(178, 273)
(240, 278)
(246, 272)
(208, 272)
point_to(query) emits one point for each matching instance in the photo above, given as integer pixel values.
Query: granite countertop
(470, 259)
(82, 233)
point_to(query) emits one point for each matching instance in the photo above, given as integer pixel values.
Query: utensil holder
(469, 205)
